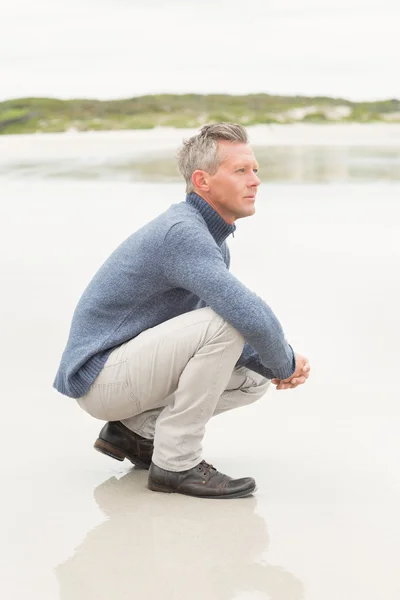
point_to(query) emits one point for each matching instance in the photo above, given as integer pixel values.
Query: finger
(283, 386)
(288, 380)
(275, 381)
(298, 381)
(306, 368)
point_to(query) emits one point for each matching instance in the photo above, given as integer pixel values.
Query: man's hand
(299, 377)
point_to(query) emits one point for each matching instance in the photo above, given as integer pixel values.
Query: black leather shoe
(203, 481)
(119, 442)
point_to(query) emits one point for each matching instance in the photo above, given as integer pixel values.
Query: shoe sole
(154, 487)
(110, 450)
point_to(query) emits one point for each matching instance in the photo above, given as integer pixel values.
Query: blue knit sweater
(176, 263)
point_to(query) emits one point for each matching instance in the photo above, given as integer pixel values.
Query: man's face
(232, 189)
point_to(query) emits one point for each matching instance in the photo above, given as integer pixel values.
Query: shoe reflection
(171, 547)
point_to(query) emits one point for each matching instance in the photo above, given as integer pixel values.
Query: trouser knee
(225, 329)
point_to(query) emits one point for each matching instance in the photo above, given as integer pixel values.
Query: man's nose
(255, 180)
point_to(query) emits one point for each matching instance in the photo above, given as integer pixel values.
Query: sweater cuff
(286, 370)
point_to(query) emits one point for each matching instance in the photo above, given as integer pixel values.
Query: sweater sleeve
(251, 360)
(226, 255)
(193, 261)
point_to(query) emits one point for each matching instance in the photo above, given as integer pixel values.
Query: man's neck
(230, 219)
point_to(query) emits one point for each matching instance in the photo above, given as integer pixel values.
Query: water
(298, 154)
(324, 251)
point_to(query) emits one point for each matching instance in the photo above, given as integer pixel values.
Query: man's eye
(240, 170)
(255, 170)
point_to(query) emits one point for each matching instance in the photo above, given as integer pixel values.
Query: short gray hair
(201, 150)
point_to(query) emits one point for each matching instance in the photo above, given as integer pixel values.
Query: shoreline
(168, 138)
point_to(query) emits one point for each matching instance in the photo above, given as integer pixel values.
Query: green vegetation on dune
(30, 115)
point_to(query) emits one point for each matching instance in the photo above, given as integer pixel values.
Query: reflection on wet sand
(291, 164)
(171, 547)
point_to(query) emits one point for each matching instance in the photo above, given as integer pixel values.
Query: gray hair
(201, 150)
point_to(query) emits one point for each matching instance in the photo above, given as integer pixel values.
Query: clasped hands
(299, 377)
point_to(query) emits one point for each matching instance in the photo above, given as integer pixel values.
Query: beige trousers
(170, 380)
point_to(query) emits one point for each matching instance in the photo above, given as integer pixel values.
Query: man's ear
(200, 180)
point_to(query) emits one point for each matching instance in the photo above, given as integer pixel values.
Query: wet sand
(324, 522)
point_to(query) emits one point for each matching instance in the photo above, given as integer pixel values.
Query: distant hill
(31, 115)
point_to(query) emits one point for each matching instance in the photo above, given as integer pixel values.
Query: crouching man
(164, 336)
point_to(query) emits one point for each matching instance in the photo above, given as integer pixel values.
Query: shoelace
(206, 466)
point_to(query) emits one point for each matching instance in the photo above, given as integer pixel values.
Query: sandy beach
(115, 143)
(324, 522)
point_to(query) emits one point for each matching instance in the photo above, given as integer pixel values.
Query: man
(165, 337)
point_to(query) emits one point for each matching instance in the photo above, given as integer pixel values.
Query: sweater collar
(217, 226)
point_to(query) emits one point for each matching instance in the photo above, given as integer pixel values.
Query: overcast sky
(124, 48)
